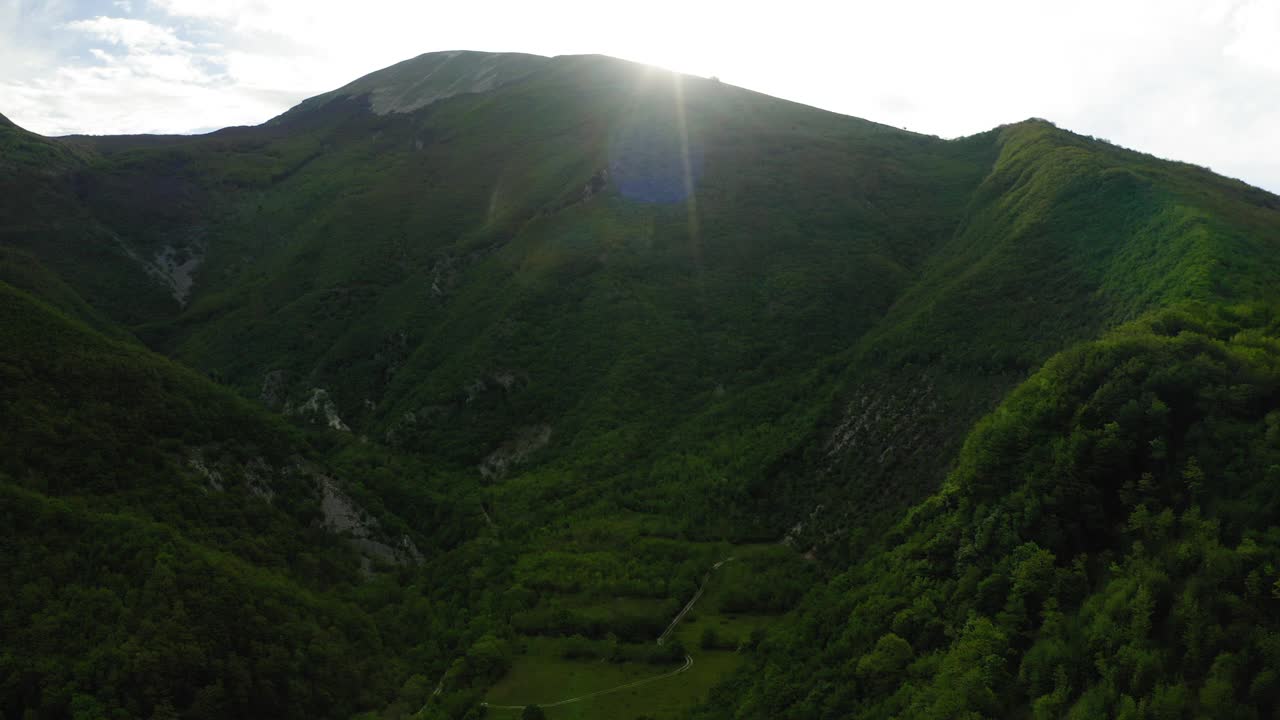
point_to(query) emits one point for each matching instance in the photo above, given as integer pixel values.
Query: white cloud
(120, 75)
(1257, 35)
(229, 10)
(131, 33)
(1188, 79)
(26, 45)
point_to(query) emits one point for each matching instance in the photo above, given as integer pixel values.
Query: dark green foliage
(128, 613)
(135, 588)
(712, 640)
(765, 584)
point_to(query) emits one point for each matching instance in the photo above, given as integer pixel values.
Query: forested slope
(1105, 547)
(167, 547)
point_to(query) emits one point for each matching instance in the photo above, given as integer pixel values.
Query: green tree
(710, 639)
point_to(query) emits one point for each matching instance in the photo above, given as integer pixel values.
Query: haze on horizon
(1183, 79)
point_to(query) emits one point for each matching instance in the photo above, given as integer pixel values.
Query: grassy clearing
(543, 678)
(543, 675)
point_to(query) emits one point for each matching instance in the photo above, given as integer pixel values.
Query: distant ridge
(418, 82)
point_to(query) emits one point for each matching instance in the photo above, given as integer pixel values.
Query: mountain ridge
(419, 81)
(410, 72)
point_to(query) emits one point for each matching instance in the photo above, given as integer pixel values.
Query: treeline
(766, 583)
(564, 622)
(612, 650)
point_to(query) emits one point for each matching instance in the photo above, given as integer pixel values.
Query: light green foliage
(1073, 568)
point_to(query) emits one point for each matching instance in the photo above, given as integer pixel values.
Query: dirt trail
(688, 659)
(689, 605)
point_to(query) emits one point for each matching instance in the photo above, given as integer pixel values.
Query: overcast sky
(1194, 80)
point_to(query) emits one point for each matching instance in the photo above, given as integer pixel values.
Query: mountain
(416, 83)
(461, 380)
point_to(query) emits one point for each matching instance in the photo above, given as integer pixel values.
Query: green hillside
(570, 333)
(1104, 547)
(170, 547)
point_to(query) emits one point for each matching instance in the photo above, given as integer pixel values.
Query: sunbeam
(686, 166)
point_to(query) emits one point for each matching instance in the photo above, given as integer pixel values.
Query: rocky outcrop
(318, 408)
(256, 476)
(173, 265)
(344, 517)
(273, 389)
(211, 476)
(177, 266)
(339, 513)
(884, 424)
(515, 451)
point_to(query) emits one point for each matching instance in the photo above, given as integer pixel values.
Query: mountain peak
(416, 83)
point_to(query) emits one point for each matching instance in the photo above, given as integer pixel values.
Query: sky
(1192, 80)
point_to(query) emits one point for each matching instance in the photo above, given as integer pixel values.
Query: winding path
(688, 659)
(689, 605)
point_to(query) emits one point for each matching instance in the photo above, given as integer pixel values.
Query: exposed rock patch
(883, 424)
(339, 513)
(446, 271)
(343, 516)
(515, 451)
(212, 477)
(884, 430)
(272, 393)
(256, 475)
(474, 389)
(444, 275)
(177, 267)
(174, 266)
(505, 379)
(499, 381)
(318, 408)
